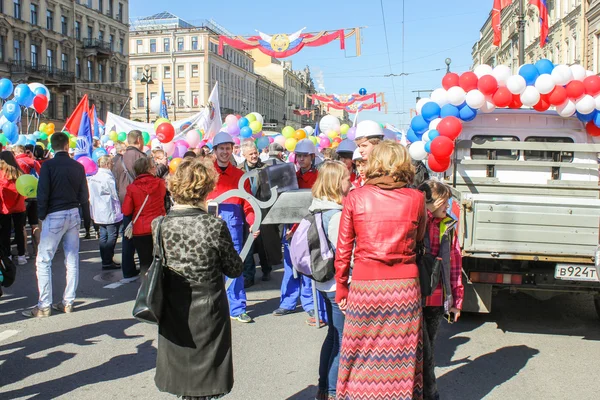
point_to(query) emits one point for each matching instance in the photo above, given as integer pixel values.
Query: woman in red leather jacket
(382, 348)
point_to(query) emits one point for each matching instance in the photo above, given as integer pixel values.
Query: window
(167, 72)
(64, 25)
(50, 59)
(100, 6)
(140, 46)
(194, 70)
(101, 36)
(494, 154)
(140, 72)
(66, 109)
(17, 50)
(112, 42)
(195, 98)
(120, 14)
(153, 72)
(2, 44)
(194, 42)
(34, 56)
(110, 10)
(49, 20)
(77, 67)
(140, 100)
(180, 99)
(542, 155)
(17, 9)
(77, 30)
(100, 72)
(34, 15)
(64, 62)
(153, 95)
(111, 74)
(168, 98)
(90, 68)
(152, 45)
(123, 74)
(167, 45)
(180, 71)
(89, 3)
(180, 44)
(121, 45)
(90, 30)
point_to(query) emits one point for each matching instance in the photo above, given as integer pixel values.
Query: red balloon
(165, 132)
(503, 97)
(442, 147)
(543, 104)
(558, 96)
(592, 129)
(40, 103)
(592, 85)
(437, 164)
(238, 116)
(516, 101)
(450, 80)
(487, 85)
(450, 127)
(468, 81)
(575, 89)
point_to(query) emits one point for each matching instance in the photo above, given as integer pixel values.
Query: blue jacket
(62, 185)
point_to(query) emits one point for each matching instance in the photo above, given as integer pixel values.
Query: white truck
(528, 190)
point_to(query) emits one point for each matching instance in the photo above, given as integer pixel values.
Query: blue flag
(84, 138)
(163, 104)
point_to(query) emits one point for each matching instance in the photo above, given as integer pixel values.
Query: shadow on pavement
(22, 361)
(306, 394)
(475, 380)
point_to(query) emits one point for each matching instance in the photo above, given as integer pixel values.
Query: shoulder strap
(158, 245)
(141, 208)
(131, 179)
(326, 218)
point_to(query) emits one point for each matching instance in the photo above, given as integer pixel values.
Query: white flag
(212, 122)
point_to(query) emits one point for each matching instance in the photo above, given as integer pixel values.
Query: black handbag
(149, 300)
(430, 267)
(8, 269)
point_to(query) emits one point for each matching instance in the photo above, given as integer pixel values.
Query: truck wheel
(597, 304)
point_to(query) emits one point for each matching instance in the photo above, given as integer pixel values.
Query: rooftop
(167, 21)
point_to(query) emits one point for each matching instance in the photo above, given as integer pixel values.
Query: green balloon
(67, 133)
(122, 136)
(43, 136)
(146, 137)
(3, 139)
(27, 186)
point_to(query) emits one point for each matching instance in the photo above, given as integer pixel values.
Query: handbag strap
(139, 212)
(158, 245)
(131, 179)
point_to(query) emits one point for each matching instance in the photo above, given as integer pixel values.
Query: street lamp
(147, 80)
(448, 62)
(244, 108)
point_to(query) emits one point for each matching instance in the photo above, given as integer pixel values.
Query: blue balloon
(41, 90)
(428, 147)
(586, 117)
(467, 113)
(430, 111)
(242, 122)
(97, 153)
(23, 95)
(104, 139)
(31, 142)
(11, 110)
(412, 137)
(210, 145)
(6, 88)
(262, 142)
(449, 111)
(419, 125)
(433, 133)
(362, 91)
(22, 140)
(11, 132)
(597, 119)
(530, 73)
(246, 132)
(544, 66)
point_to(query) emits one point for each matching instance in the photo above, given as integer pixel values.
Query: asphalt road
(524, 349)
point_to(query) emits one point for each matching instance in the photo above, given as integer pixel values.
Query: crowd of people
(377, 205)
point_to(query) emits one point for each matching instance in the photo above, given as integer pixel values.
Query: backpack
(311, 252)
(8, 271)
(430, 267)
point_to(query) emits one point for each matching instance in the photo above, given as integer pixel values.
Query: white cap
(368, 129)
(356, 155)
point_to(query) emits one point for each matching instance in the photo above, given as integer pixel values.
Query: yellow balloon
(314, 140)
(332, 134)
(42, 127)
(290, 144)
(251, 118)
(41, 145)
(344, 129)
(72, 142)
(288, 132)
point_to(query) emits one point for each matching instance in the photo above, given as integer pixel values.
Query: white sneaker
(21, 260)
(129, 280)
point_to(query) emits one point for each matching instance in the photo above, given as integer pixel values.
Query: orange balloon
(174, 164)
(300, 134)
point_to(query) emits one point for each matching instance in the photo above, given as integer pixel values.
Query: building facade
(270, 100)
(184, 59)
(567, 41)
(72, 47)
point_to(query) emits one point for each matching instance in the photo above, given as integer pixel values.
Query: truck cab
(528, 188)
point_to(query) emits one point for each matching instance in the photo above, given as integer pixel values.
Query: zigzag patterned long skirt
(382, 348)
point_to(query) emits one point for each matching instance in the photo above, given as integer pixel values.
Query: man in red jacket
(32, 167)
(232, 211)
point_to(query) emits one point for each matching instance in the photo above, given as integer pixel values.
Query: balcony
(96, 47)
(26, 68)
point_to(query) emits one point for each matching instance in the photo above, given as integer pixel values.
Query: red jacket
(386, 225)
(143, 185)
(228, 180)
(307, 180)
(26, 163)
(11, 202)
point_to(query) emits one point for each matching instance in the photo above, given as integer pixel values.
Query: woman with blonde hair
(12, 207)
(330, 189)
(382, 347)
(194, 357)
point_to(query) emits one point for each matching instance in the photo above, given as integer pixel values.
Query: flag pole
(521, 24)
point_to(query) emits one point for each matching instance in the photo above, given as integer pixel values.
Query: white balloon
(329, 123)
(434, 123)
(596, 99)
(109, 143)
(545, 84)
(578, 72)
(425, 138)
(475, 99)
(156, 144)
(309, 130)
(488, 106)
(482, 70)
(417, 151)
(589, 73)
(259, 117)
(530, 97)
(562, 75)
(456, 95)
(516, 84)
(586, 104)
(567, 109)
(155, 105)
(440, 96)
(421, 103)
(501, 73)
(35, 85)
(135, 76)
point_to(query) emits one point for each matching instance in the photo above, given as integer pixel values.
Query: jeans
(18, 222)
(128, 253)
(330, 351)
(432, 317)
(58, 225)
(107, 242)
(250, 265)
(144, 246)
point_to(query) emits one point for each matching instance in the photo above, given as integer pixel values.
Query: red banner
(353, 110)
(349, 99)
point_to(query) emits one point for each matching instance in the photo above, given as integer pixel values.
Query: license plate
(575, 272)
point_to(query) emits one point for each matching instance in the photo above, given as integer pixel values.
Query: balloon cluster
(332, 134)
(249, 127)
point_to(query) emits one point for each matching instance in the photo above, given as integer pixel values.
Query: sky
(433, 31)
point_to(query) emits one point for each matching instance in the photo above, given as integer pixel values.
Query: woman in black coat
(194, 345)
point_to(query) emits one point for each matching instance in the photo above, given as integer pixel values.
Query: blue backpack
(311, 252)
